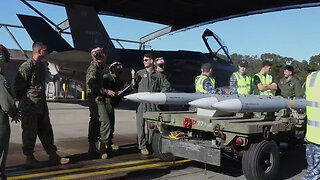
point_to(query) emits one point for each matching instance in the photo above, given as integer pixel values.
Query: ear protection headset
(4, 52)
(97, 53)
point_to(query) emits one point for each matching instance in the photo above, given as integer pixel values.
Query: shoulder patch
(6, 84)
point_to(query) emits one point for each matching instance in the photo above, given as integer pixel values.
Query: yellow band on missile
(292, 104)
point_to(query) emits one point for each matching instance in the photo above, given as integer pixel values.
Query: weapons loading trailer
(206, 139)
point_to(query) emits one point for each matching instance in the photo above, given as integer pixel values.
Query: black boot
(32, 162)
(55, 159)
(93, 150)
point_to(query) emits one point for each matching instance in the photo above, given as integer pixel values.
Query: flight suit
(7, 107)
(147, 82)
(30, 91)
(101, 110)
(290, 87)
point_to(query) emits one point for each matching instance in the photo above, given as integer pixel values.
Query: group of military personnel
(262, 82)
(103, 94)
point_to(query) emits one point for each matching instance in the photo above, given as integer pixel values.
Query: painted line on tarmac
(119, 170)
(37, 175)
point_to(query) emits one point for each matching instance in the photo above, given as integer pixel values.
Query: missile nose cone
(230, 105)
(155, 98)
(135, 97)
(205, 103)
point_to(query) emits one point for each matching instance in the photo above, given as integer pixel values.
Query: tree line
(278, 62)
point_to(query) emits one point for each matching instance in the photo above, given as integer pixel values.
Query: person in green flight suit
(7, 108)
(289, 86)
(101, 110)
(147, 80)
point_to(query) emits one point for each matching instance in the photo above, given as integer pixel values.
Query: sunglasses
(146, 60)
(161, 66)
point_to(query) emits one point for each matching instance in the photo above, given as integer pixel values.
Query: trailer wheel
(262, 161)
(156, 146)
(246, 162)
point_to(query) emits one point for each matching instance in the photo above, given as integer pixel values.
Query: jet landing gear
(261, 161)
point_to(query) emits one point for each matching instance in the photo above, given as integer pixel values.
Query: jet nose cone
(135, 97)
(205, 103)
(155, 98)
(230, 105)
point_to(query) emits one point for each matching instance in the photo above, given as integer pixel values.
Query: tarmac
(70, 119)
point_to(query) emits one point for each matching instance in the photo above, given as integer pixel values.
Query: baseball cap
(160, 61)
(243, 63)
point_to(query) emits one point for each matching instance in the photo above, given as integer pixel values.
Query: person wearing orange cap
(7, 108)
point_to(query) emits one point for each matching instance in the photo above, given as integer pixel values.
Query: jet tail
(88, 31)
(40, 31)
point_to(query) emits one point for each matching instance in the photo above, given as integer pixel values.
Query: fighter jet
(88, 32)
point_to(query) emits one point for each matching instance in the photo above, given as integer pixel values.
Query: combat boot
(103, 150)
(55, 159)
(93, 150)
(32, 162)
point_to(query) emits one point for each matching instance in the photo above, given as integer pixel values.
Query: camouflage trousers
(4, 142)
(34, 125)
(313, 159)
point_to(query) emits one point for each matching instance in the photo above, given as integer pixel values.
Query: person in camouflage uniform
(7, 108)
(147, 80)
(101, 110)
(30, 91)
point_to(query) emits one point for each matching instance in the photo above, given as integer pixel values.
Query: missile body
(134, 97)
(258, 105)
(169, 98)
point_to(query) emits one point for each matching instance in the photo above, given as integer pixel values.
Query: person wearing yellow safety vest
(313, 126)
(263, 83)
(204, 83)
(240, 83)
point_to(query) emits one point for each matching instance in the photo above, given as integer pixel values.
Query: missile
(173, 98)
(206, 103)
(258, 104)
(134, 97)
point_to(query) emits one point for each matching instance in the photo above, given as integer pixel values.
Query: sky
(290, 33)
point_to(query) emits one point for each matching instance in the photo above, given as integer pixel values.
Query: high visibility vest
(199, 83)
(265, 80)
(243, 83)
(313, 108)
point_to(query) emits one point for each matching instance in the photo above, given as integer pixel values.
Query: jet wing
(185, 13)
(74, 59)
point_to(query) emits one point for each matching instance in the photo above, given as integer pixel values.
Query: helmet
(97, 53)
(160, 61)
(4, 55)
(115, 67)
